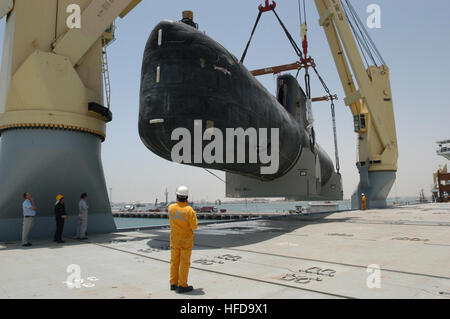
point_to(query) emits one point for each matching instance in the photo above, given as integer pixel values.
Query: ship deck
(314, 256)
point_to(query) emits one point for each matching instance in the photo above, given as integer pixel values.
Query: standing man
(60, 215)
(363, 201)
(183, 222)
(29, 211)
(82, 217)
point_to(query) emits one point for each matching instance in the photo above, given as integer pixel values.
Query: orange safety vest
(183, 222)
(363, 202)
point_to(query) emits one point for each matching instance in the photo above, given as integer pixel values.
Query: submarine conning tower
(188, 18)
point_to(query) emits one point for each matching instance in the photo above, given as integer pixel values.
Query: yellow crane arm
(5, 7)
(370, 103)
(51, 73)
(95, 19)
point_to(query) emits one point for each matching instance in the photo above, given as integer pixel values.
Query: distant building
(444, 149)
(441, 184)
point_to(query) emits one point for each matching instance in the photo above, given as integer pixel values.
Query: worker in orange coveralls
(363, 201)
(183, 222)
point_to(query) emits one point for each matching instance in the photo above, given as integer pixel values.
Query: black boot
(173, 287)
(182, 290)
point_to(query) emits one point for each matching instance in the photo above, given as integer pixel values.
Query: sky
(414, 40)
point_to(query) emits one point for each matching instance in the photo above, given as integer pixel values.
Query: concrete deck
(251, 259)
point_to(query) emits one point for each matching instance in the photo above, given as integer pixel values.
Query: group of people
(29, 212)
(183, 222)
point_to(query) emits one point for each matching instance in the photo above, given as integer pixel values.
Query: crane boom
(53, 67)
(95, 19)
(370, 103)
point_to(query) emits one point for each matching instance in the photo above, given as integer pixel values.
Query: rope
(308, 96)
(333, 117)
(357, 36)
(300, 12)
(336, 151)
(307, 85)
(358, 33)
(365, 42)
(307, 76)
(56, 23)
(214, 175)
(291, 40)
(367, 36)
(294, 45)
(251, 37)
(304, 10)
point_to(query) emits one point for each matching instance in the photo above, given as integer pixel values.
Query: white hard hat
(182, 191)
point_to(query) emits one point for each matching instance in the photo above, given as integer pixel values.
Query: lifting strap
(291, 40)
(299, 52)
(333, 117)
(251, 36)
(294, 45)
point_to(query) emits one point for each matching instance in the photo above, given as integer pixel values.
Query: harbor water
(242, 207)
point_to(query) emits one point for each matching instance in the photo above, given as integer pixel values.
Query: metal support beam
(94, 21)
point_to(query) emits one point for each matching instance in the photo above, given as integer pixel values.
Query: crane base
(376, 186)
(45, 163)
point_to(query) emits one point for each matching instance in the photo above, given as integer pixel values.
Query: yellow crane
(370, 101)
(52, 117)
(369, 98)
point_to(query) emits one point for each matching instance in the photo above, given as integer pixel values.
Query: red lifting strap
(267, 7)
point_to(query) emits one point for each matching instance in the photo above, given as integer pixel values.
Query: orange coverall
(183, 222)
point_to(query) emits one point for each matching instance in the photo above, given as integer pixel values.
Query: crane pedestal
(375, 185)
(48, 162)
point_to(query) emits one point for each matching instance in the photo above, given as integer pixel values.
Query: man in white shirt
(29, 211)
(83, 217)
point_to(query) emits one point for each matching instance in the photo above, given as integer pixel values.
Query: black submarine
(190, 79)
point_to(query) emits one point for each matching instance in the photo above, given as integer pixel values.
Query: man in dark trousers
(29, 212)
(60, 215)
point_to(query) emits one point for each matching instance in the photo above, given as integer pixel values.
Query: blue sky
(414, 39)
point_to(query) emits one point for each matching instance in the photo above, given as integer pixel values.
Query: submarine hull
(189, 80)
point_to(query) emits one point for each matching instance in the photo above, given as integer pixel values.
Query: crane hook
(267, 6)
